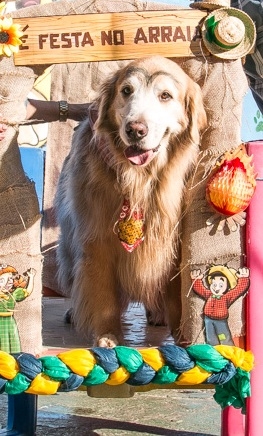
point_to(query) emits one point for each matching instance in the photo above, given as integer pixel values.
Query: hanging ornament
(130, 227)
(232, 183)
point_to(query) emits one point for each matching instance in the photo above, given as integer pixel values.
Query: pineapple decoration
(232, 183)
(130, 227)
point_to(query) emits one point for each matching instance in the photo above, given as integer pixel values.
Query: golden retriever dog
(120, 193)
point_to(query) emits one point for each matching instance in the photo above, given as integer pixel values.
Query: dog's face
(148, 102)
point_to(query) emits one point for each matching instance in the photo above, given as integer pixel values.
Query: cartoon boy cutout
(226, 285)
(13, 289)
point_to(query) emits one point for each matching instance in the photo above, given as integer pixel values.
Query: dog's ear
(104, 100)
(195, 111)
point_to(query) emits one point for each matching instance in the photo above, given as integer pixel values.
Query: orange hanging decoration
(232, 183)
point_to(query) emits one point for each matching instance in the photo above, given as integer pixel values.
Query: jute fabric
(20, 217)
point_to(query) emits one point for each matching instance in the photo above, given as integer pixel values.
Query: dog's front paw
(107, 341)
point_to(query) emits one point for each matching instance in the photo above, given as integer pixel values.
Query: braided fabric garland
(226, 367)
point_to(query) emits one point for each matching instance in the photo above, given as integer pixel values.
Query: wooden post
(255, 296)
(232, 422)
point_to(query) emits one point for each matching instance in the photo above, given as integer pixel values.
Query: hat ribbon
(211, 25)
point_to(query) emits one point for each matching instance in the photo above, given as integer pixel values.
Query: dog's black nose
(136, 130)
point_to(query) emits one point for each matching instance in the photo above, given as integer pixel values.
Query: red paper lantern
(232, 183)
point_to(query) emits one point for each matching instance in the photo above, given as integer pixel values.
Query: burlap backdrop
(20, 217)
(224, 85)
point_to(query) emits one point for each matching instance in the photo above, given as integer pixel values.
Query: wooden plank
(111, 36)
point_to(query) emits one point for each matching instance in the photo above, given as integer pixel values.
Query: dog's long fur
(150, 105)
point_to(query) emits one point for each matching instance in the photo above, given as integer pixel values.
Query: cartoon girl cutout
(224, 286)
(14, 288)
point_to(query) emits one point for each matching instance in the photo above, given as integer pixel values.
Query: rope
(226, 367)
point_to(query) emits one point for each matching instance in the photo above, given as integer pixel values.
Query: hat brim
(243, 48)
(206, 5)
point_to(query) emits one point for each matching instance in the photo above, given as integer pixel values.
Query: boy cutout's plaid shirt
(216, 306)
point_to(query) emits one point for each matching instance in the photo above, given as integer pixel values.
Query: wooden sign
(111, 36)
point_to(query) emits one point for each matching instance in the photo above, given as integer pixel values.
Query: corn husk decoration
(232, 183)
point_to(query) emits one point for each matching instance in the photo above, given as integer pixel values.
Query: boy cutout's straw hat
(210, 4)
(229, 273)
(228, 33)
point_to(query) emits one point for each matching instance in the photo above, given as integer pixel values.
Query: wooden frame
(127, 36)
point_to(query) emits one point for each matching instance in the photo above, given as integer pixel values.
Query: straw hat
(7, 269)
(229, 273)
(210, 4)
(228, 33)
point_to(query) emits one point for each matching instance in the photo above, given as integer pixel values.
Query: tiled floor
(58, 334)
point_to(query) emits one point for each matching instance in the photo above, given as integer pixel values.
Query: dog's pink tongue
(138, 157)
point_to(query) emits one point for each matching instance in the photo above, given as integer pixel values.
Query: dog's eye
(165, 96)
(127, 90)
